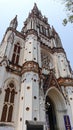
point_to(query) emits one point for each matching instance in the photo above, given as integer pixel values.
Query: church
(36, 80)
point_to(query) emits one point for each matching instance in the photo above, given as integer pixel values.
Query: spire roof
(35, 12)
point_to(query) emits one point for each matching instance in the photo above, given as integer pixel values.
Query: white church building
(36, 80)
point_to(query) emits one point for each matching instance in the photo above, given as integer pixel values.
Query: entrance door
(50, 114)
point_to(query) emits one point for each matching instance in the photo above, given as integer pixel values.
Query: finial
(53, 31)
(35, 5)
(14, 23)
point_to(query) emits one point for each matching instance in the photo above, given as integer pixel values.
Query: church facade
(36, 80)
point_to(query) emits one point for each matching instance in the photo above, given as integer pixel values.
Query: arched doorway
(55, 109)
(50, 114)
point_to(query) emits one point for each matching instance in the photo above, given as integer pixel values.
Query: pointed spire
(14, 23)
(35, 11)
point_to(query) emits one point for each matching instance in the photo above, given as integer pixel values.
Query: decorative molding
(31, 31)
(52, 50)
(7, 124)
(16, 69)
(65, 81)
(30, 66)
(51, 81)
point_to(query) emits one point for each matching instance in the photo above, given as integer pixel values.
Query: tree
(69, 10)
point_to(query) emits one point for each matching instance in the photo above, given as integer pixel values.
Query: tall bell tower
(36, 81)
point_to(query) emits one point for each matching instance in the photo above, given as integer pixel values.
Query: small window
(16, 54)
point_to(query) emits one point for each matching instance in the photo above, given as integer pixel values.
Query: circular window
(35, 119)
(27, 108)
(11, 85)
(28, 87)
(35, 97)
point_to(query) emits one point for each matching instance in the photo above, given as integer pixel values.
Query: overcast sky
(52, 9)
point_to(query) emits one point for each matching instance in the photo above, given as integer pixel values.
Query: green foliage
(65, 22)
(71, 18)
(69, 11)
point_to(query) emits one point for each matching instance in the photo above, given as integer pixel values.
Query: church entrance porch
(55, 109)
(50, 115)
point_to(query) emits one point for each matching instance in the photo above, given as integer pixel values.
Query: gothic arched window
(9, 118)
(4, 112)
(47, 62)
(8, 103)
(7, 94)
(16, 53)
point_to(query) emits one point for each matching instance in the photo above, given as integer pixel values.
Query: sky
(54, 10)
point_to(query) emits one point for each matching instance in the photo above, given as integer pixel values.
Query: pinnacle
(35, 5)
(14, 22)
